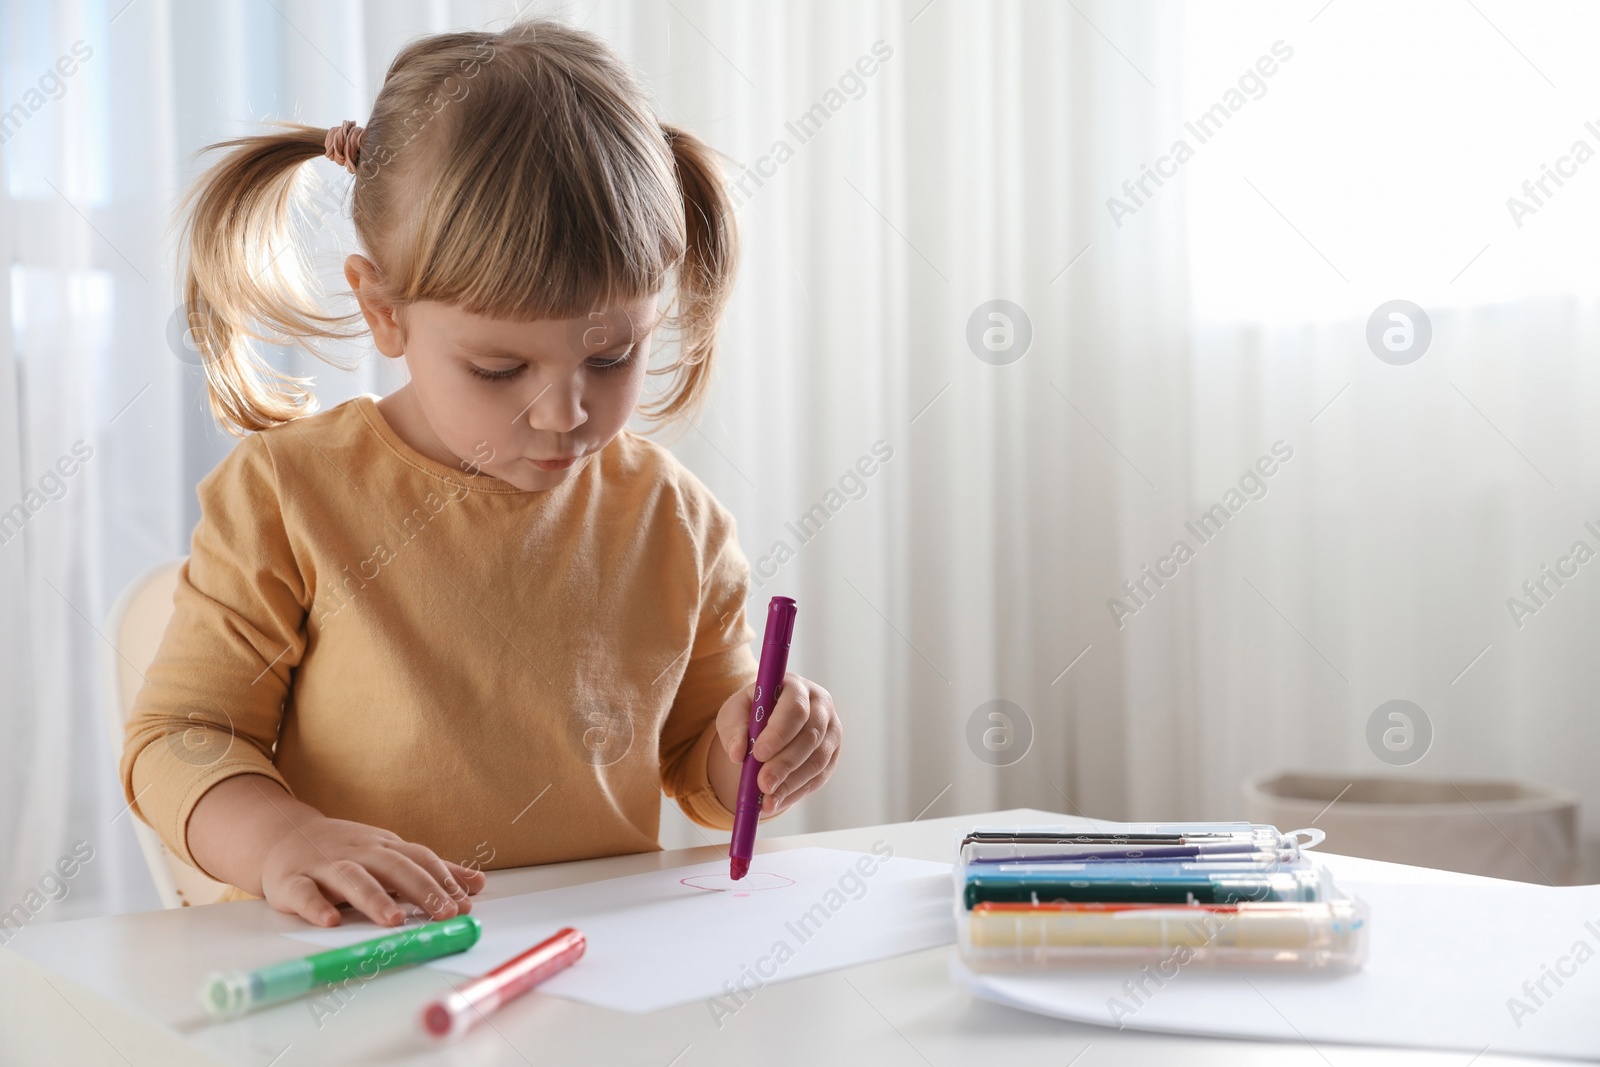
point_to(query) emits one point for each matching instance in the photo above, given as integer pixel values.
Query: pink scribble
(722, 883)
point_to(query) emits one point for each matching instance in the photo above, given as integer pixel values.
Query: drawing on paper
(722, 883)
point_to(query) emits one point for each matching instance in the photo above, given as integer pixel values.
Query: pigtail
(704, 274)
(245, 278)
(537, 184)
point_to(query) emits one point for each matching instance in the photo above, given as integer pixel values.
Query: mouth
(554, 464)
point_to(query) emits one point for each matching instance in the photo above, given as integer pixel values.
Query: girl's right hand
(324, 862)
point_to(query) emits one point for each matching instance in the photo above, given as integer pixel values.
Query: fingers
(804, 737)
(733, 723)
(350, 881)
(440, 872)
(299, 895)
(799, 776)
(405, 869)
(790, 715)
(818, 763)
(396, 868)
(788, 798)
(331, 862)
(471, 879)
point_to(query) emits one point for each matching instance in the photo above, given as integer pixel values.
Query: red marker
(460, 1010)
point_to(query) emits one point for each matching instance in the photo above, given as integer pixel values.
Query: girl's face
(522, 401)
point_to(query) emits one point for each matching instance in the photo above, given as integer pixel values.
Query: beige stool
(138, 620)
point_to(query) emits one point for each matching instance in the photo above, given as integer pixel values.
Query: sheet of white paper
(677, 936)
(1447, 970)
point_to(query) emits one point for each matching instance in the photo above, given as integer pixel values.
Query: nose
(559, 406)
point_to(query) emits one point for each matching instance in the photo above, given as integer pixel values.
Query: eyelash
(512, 372)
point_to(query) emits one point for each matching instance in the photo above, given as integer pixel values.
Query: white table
(121, 990)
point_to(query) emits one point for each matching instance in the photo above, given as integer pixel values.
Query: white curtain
(1380, 565)
(114, 103)
(952, 520)
(1440, 154)
(967, 568)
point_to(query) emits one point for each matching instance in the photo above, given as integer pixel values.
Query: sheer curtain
(114, 102)
(1423, 152)
(942, 518)
(948, 517)
(1381, 564)
(963, 399)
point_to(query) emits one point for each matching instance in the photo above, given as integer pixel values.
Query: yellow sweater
(508, 677)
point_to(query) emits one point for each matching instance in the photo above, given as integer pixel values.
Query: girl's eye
(613, 364)
(496, 375)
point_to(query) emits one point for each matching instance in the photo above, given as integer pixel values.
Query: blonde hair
(519, 174)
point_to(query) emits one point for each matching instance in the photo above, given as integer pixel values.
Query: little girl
(476, 623)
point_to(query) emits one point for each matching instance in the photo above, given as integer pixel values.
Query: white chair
(138, 620)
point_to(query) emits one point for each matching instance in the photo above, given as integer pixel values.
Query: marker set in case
(1211, 893)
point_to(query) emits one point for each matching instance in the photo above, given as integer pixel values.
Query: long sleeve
(213, 698)
(719, 664)
(408, 647)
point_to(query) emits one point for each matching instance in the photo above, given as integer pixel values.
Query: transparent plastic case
(1031, 898)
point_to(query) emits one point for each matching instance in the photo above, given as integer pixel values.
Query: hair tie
(343, 144)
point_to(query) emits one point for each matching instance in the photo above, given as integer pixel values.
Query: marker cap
(780, 622)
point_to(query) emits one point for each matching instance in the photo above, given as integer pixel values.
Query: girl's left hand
(798, 747)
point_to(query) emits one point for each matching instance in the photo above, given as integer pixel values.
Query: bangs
(540, 210)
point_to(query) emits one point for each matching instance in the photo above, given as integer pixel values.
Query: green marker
(236, 992)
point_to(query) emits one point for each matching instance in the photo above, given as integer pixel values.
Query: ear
(382, 317)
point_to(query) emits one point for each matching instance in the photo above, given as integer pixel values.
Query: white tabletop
(121, 990)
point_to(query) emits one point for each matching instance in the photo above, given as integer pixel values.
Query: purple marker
(769, 683)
